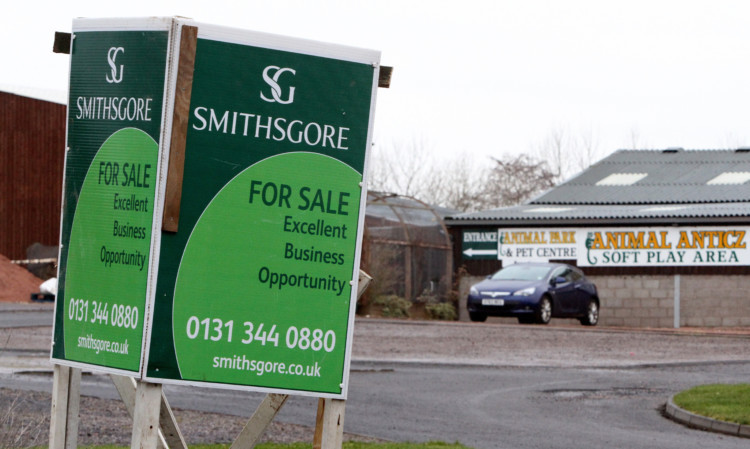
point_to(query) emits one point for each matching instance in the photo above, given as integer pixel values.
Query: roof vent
(673, 150)
(742, 150)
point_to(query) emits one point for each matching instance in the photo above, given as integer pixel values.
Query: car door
(581, 294)
(565, 293)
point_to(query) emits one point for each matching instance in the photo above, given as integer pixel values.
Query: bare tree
(635, 140)
(467, 183)
(516, 179)
(566, 153)
(413, 170)
(401, 169)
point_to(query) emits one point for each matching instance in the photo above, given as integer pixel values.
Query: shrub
(441, 311)
(393, 306)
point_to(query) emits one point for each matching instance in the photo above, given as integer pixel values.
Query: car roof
(539, 264)
(547, 264)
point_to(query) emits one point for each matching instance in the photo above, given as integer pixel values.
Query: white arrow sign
(471, 252)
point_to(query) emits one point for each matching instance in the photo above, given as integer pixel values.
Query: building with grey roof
(663, 233)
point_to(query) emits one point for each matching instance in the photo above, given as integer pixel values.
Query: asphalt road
(483, 407)
(546, 405)
(12, 315)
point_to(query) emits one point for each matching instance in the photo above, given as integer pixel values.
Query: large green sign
(114, 124)
(256, 289)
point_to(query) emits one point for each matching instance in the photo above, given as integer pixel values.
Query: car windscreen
(522, 273)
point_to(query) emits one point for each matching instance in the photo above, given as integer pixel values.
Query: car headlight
(525, 292)
(474, 291)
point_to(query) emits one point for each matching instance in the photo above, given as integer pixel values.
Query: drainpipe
(676, 301)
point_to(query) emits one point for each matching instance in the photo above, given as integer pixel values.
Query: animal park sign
(629, 247)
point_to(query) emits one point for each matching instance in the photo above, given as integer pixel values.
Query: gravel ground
(24, 422)
(26, 414)
(560, 344)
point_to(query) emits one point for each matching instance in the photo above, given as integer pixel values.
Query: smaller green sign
(479, 244)
(114, 122)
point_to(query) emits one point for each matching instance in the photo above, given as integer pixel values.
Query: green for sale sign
(115, 110)
(257, 288)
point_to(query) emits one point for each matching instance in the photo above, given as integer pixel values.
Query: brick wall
(636, 301)
(715, 301)
(648, 300)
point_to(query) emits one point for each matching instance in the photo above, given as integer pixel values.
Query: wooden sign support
(169, 432)
(66, 397)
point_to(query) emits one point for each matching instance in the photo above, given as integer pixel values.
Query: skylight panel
(663, 208)
(548, 210)
(731, 177)
(621, 179)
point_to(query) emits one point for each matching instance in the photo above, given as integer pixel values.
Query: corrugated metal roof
(675, 189)
(609, 214)
(672, 176)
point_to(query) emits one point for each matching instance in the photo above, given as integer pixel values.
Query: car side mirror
(558, 280)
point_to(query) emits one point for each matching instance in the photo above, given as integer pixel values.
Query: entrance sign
(115, 110)
(479, 244)
(257, 288)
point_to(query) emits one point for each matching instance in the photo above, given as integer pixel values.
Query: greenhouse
(406, 249)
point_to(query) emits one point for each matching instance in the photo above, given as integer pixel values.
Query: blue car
(534, 293)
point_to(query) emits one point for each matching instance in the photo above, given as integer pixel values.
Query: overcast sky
(485, 77)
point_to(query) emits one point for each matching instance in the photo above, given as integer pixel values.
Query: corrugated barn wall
(32, 153)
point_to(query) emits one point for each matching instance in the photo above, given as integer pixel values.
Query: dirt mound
(16, 283)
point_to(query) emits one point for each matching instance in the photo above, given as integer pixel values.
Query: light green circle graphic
(107, 269)
(263, 290)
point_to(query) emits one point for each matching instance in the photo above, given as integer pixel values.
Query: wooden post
(318, 435)
(169, 431)
(66, 399)
(256, 426)
(183, 92)
(170, 436)
(329, 428)
(146, 416)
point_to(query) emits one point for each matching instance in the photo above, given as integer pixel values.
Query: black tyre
(478, 316)
(544, 311)
(592, 314)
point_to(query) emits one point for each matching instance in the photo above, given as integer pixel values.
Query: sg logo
(111, 56)
(273, 81)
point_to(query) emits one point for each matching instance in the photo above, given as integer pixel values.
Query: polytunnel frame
(381, 198)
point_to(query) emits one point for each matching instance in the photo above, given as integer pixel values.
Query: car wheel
(544, 311)
(477, 316)
(592, 314)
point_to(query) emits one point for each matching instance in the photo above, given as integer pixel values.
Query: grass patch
(347, 445)
(729, 403)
